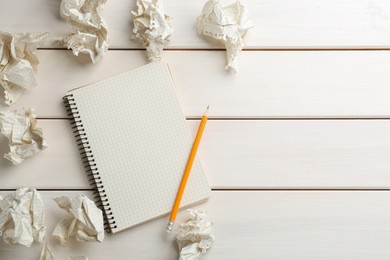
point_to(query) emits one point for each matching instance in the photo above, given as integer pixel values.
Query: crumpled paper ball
(194, 237)
(227, 24)
(22, 219)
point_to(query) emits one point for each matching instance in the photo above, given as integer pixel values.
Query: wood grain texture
(250, 225)
(278, 23)
(236, 154)
(277, 84)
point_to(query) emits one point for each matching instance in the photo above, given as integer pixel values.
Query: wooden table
(297, 148)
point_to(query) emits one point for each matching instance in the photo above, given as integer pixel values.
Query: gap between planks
(302, 49)
(253, 190)
(259, 118)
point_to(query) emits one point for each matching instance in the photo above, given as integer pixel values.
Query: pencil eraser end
(170, 226)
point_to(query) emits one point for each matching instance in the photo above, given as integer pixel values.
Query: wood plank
(269, 225)
(269, 85)
(278, 23)
(264, 154)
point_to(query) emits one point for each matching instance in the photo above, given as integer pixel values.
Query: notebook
(135, 143)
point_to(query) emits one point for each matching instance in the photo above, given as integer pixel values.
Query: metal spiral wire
(90, 166)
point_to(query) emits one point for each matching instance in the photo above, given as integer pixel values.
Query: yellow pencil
(187, 171)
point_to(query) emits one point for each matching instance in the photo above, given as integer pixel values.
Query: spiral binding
(90, 166)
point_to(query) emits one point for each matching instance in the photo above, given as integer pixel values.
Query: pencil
(187, 171)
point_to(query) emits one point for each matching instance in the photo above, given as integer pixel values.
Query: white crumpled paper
(85, 222)
(194, 237)
(90, 36)
(22, 219)
(18, 63)
(152, 27)
(24, 137)
(228, 24)
(46, 253)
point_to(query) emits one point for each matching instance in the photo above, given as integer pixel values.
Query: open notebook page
(140, 143)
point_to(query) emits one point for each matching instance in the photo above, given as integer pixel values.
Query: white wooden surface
(296, 117)
(268, 225)
(310, 84)
(242, 154)
(278, 23)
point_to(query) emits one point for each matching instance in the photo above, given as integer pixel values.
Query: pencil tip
(207, 111)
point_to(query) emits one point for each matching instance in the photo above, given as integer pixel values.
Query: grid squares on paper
(140, 141)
